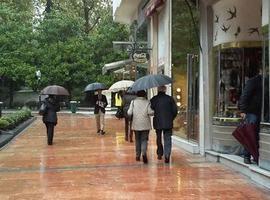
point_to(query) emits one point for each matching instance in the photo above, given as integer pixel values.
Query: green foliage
(57, 44)
(12, 120)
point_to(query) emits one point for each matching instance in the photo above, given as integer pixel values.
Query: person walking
(51, 106)
(140, 110)
(250, 105)
(99, 111)
(127, 98)
(165, 111)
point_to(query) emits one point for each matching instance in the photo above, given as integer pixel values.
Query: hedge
(10, 121)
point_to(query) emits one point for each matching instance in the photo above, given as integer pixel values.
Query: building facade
(233, 40)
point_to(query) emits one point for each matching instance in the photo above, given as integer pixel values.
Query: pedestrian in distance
(250, 105)
(165, 111)
(49, 108)
(127, 98)
(99, 111)
(140, 110)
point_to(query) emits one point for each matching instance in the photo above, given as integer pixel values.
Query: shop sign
(140, 57)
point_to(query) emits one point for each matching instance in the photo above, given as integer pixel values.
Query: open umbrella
(94, 86)
(55, 90)
(121, 85)
(151, 81)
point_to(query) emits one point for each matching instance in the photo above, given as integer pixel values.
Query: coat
(140, 109)
(165, 111)
(100, 104)
(52, 106)
(251, 98)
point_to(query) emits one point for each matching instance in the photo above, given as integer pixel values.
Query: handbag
(42, 109)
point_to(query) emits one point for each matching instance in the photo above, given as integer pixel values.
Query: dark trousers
(252, 119)
(128, 130)
(141, 140)
(50, 132)
(167, 133)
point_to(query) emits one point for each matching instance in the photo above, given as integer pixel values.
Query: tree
(15, 46)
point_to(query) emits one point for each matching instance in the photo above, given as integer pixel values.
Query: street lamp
(38, 75)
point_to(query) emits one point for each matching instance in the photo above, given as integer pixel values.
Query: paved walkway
(84, 165)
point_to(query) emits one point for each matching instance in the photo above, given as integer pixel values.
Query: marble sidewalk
(84, 165)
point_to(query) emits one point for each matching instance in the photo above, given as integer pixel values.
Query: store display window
(233, 68)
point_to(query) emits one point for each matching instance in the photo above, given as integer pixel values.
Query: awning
(115, 65)
(153, 6)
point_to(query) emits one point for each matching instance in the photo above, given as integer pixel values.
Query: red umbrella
(245, 133)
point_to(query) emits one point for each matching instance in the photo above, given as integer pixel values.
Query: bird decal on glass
(224, 28)
(253, 30)
(238, 30)
(232, 13)
(216, 35)
(216, 19)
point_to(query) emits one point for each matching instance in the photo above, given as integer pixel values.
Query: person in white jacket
(140, 110)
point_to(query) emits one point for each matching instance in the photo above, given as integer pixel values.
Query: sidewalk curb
(7, 136)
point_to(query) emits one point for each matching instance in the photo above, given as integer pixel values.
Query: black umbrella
(55, 90)
(151, 81)
(94, 86)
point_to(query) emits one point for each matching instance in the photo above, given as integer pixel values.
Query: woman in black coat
(50, 117)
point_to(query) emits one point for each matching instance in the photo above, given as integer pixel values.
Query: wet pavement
(84, 165)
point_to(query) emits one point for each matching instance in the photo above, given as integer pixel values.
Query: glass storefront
(185, 70)
(266, 75)
(234, 66)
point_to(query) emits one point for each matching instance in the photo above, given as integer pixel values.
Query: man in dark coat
(50, 117)
(165, 111)
(127, 98)
(250, 105)
(100, 105)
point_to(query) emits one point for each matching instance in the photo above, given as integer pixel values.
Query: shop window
(234, 66)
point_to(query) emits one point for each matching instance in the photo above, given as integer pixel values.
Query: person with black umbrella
(100, 105)
(165, 111)
(50, 108)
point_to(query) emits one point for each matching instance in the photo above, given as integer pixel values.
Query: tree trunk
(49, 5)
(86, 16)
(11, 93)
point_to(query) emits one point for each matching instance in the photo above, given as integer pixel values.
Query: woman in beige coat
(140, 110)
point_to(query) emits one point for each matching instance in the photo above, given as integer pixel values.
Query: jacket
(100, 104)
(52, 106)
(251, 98)
(141, 110)
(165, 111)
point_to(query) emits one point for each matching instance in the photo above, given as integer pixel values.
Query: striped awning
(153, 6)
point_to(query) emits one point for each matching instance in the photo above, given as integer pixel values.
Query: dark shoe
(167, 159)
(145, 160)
(98, 132)
(159, 157)
(138, 158)
(126, 138)
(102, 132)
(247, 160)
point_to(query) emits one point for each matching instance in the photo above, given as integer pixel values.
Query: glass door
(193, 97)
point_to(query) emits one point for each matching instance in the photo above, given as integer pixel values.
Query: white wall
(248, 16)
